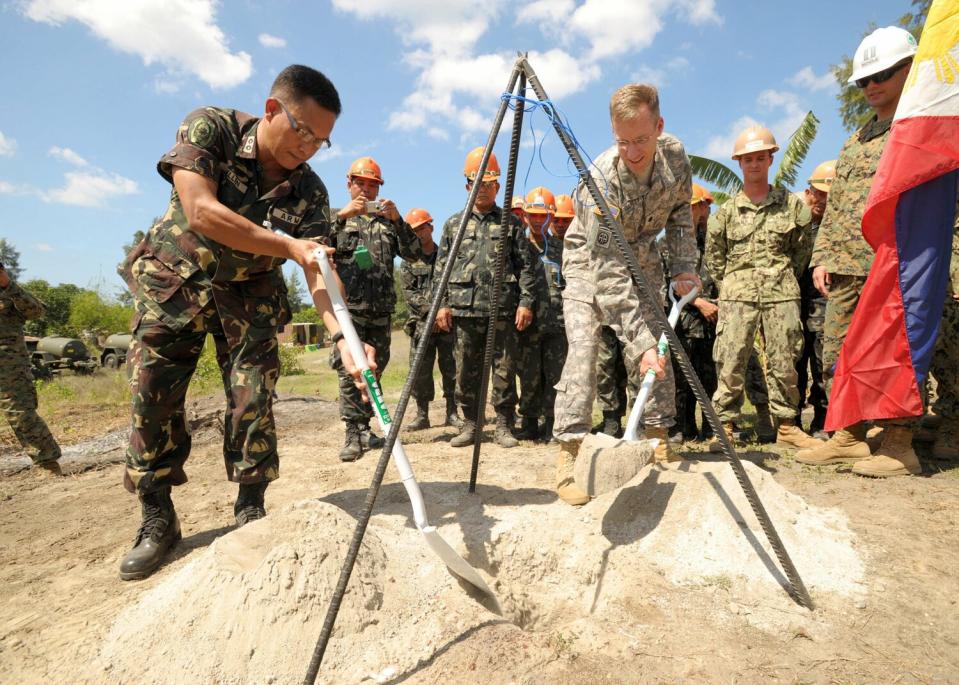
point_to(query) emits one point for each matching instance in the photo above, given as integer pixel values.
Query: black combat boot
(368, 439)
(546, 433)
(352, 449)
(249, 503)
(818, 420)
(452, 418)
(158, 532)
(422, 418)
(529, 429)
(466, 435)
(502, 433)
(612, 424)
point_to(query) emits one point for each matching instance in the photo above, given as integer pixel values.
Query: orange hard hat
(517, 206)
(823, 176)
(416, 217)
(754, 139)
(564, 207)
(700, 194)
(540, 201)
(472, 164)
(366, 167)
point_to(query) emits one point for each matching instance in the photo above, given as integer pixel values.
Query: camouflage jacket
(371, 291)
(757, 253)
(16, 307)
(175, 272)
(642, 211)
(548, 258)
(416, 280)
(840, 247)
(471, 282)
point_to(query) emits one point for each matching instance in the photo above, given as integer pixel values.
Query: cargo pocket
(459, 295)
(158, 281)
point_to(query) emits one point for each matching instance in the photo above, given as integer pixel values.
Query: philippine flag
(908, 221)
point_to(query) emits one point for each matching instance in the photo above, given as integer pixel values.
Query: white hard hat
(880, 50)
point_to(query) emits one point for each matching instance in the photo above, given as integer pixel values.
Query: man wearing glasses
(841, 257)
(244, 201)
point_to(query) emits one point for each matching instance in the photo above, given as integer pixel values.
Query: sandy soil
(666, 580)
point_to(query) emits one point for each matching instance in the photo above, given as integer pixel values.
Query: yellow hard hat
(754, 139)
(823, 176)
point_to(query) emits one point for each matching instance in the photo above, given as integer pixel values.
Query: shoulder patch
(201, 132)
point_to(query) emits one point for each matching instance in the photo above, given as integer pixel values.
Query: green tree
(402, 311)
(92, 315)
(10, 258)
(295, 291)
(853, 108)
(56, 300)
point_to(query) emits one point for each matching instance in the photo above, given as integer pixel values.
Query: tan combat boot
(662, 453)
(715, 446)
(845, 445)
(566, 486)
(791, 435)
(895, 456)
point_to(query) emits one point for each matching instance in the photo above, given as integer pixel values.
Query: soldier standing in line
(416, 279)
(467, 302)
(646, 176)
(18, 396)
(370, 234)
(813, 308)
(944, 367)
(542, 346)
(841, 257)
(757, 244)
(211, 266)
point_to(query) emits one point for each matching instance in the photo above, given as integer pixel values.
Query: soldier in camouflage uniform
(370, 295)
(841, 257)
(211, 266)
(542, 346)
(416, 279)
(646, 176)
(813, 307)
(466, 306)
(18, 396)
(757, 245)
(944, 367)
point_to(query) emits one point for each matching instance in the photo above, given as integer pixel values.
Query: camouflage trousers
(844, 294)
(161, 362)
(700, 353)
(542, 354)
(377, 334)
(439, 348)
(810, 365)
(735, 336)
(945, 364)
(18, 404)
(610, 373)
(470, 333)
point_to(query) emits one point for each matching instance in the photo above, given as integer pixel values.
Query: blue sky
(94, 91)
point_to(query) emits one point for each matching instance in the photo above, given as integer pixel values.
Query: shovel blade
(454, 561)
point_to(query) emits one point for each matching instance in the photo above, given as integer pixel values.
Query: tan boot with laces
(715, 446)
(847, 445)
(791, 435)
(662, 453)
(895, 456)
(566, 486)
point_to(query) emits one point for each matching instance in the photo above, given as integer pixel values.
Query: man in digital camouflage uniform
(647, 179)
(381, 235)
(841, 257)
(416, 279)
(813, 307)
(18, 396)
(542, 346)
(466, 306)
(757, 245)
(211, 266)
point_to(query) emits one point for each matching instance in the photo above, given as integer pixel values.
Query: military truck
(114, 354)
(51, 355)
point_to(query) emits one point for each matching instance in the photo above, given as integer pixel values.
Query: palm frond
(716, 174)
(720, 198)
(796, 150)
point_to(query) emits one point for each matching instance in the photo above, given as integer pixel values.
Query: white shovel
(453, 561)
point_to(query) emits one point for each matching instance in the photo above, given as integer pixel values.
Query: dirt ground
(574, 608)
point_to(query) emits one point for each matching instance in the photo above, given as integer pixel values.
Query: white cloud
(7, 188)
(659, 76)
(268, 41)
(544, 11)
(43, 247)
(166, 86)
(806, 78)
(67, 155)
(8, 146)
(91, 188)
(784, 110)
(181, 35)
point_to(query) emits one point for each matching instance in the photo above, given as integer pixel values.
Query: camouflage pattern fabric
(756, 253)
(161, 362)
(839, 246)
(610, 373)
(376, 332)
(844, 292)
(470, 335)
(184, 282)
(18, 396)
(944, 367)
(736, 331)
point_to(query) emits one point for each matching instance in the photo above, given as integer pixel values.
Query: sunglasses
(882, 76)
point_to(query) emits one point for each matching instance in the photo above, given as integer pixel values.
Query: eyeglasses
(882, 76)
(305, 134)
(642, 140)
(483, 184)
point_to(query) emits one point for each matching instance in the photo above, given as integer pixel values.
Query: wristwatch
(336, 337)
